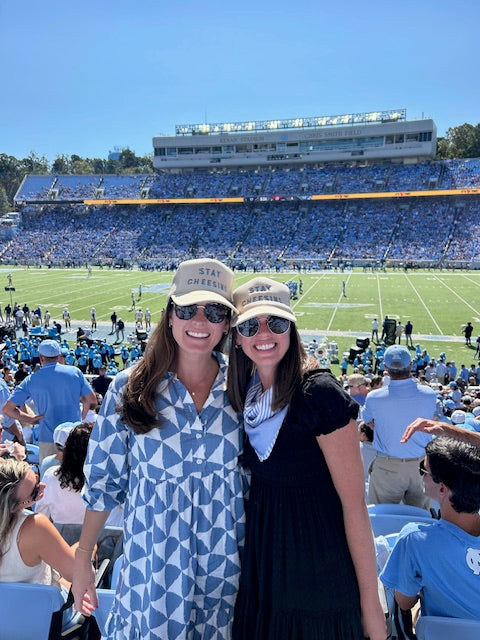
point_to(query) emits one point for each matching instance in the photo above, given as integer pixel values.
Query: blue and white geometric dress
(183, 490)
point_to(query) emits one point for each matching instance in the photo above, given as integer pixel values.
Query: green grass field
(437, 303)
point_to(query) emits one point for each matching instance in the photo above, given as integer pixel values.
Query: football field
(438, 303)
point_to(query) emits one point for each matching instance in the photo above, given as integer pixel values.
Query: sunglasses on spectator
(33, 497)
(423, 471)
(251, 327)
(214, 312)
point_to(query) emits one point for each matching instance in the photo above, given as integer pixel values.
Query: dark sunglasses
(251, 327)
(423, 471)
(214, 312)
(33, 497)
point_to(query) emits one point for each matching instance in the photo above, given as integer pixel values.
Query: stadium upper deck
(449, 177)
(359, 138)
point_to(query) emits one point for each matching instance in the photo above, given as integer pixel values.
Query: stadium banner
(397, 194)
(164, 201)
(280, 198)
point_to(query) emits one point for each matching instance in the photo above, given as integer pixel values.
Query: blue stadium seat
(398, 509)
(34, 612)
(440, 628)
(105, 603)
(385, 523)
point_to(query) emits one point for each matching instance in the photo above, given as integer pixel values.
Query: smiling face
(197, 335)
(265, 349)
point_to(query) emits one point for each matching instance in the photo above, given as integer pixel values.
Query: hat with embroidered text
(49, 349)
(262, 296)
(397, 357)
(202, 280)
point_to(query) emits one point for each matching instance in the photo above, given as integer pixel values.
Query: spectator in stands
(31, 549)
(61, 500)
(102, 381)
(394, 473)
(358, 386)
(56, 391)
(440, 562)
(175, 391)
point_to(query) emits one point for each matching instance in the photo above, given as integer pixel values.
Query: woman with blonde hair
(166, 443)
(31, 549)
(308, 568)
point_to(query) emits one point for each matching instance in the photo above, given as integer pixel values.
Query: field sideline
(438, 303)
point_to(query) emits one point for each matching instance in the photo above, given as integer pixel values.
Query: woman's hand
(373, 622)
(83, 584)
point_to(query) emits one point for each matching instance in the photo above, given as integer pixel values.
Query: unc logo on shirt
(473, 560)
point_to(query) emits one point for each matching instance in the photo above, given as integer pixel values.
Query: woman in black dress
(308, 569)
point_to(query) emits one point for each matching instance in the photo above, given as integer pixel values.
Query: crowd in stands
(295, 181)
(437, 230)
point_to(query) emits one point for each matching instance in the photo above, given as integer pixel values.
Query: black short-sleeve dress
(298, 581)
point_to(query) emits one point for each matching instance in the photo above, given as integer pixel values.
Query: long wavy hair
(12, 472)
(70, 473)
(138, 409)
(289, 372)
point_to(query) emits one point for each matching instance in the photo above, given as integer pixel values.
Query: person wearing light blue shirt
(440, 562)
(56, 390)
(394, 473)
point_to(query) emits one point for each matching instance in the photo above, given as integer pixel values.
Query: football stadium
(355, 198)
(378, 244)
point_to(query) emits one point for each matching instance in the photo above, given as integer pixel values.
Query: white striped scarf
(262, 424)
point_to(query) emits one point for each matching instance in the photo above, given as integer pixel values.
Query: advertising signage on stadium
(287, 198)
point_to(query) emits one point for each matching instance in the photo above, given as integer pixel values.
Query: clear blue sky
(83, 76)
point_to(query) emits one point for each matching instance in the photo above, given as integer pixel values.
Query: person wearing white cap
(57, 392)
(167, 444)
(308, 568)
(394, 472)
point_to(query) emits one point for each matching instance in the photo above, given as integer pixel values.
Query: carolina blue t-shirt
(56, 390)
(441, 561)
(392, 409)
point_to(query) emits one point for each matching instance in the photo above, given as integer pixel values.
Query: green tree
(11, 174)
(34, 163)
(127, 159)
(443, 149)
(462, 141)
(61, 164)
(4, 204)
(81, 166)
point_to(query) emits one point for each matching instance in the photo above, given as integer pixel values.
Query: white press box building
(358, 138)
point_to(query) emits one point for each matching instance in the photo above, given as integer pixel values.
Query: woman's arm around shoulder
(341, 450)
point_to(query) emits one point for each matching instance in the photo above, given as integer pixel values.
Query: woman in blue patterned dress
(166, 445)
(308, 567)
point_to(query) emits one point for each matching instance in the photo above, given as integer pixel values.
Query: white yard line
(316, 281)
(424, 305)
(467, 304)
(379, 297)
(336, 306)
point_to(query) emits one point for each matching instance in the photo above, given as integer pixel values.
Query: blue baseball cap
(397, 357)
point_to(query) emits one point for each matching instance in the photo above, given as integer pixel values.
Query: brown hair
(138, 409)
(289, 372)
